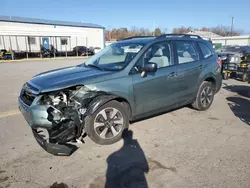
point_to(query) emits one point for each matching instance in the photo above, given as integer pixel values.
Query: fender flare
(99, 101)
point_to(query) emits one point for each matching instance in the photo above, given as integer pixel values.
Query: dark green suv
(131, 79)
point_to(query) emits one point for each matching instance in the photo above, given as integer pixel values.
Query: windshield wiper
(95, 66)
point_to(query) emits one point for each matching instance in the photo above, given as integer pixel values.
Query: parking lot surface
(182, 148)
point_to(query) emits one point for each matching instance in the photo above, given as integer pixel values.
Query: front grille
(28, 94)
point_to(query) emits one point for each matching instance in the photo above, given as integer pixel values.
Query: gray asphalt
(182, 148)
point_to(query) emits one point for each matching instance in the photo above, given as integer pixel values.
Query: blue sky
(140, 13)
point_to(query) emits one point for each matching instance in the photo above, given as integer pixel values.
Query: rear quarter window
(205, 50)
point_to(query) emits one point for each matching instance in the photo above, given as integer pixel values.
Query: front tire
(107, 124)
(204, 97)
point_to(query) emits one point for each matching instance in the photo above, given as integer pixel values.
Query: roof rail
(134, 37)
(178, 35)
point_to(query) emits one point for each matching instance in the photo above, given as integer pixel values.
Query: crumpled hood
(65, 77)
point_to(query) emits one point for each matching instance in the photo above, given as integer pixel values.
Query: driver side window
(159, 53)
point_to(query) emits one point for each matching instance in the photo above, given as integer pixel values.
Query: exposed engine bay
(66, 110)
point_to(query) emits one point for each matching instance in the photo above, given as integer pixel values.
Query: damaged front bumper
(53, 148)
(37, 117)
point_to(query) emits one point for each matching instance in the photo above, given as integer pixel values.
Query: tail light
(219, 62)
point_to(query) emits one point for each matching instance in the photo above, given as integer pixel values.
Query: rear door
(189, 69)
(207, 55)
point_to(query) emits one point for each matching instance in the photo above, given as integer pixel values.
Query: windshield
(231, 49)
(115, 56)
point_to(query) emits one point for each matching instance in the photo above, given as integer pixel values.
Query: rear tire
(225, 77)
(204, 97)
(244, 77)
(107, 124)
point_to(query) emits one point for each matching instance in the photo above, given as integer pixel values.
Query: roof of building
(233, 37)
(204, 34)
(47, 22)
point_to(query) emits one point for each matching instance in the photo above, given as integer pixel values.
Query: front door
(157, 90)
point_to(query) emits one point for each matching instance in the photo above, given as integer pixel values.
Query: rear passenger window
(186, 52)
(206, 51)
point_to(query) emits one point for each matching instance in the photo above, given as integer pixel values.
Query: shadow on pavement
(127, 166)
(240, 107)
(241, 90)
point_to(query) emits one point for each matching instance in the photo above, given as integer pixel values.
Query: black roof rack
(135, 37)
(178, 35)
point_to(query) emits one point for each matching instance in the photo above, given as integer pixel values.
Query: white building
(27, 34)
(234, 40)
(205, 34)
(217, 39)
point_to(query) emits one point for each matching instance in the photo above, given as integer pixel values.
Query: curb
(42, 59)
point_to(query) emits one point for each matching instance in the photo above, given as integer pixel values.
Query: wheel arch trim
(100, 100)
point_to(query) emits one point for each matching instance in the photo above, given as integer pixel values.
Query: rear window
(232, 49)
(186, 52)
(246, 49)
(206, 51)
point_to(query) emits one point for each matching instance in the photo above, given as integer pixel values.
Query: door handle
(172, 74)
(201, 67)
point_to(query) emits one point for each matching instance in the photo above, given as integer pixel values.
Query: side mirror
(148, 67)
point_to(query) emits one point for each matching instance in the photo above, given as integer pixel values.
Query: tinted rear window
(206, 51)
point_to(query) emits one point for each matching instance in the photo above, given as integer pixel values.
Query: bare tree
(157, 32)
(120, 33)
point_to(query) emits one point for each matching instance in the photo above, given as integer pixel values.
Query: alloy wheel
(108, 123)
(206, 96)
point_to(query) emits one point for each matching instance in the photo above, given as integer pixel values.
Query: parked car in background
(83, 51)
(128, 80)
(248, 74)
(5, 55)
(97, 49)
(235, 61)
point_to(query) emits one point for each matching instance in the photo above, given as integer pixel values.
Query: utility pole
(154, 29)
(232, 26)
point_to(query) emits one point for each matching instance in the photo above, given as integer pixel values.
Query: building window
(0, 40)
(64, 41)
(31, 40)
